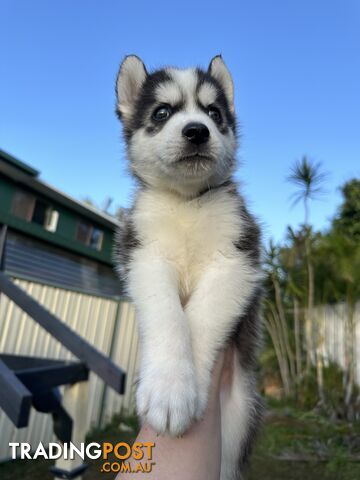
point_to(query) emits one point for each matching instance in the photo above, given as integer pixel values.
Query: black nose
(196, 133)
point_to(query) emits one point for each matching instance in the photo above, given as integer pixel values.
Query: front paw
(167, 398)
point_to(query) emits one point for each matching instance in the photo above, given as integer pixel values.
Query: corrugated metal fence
(332, 324)
(106, 323)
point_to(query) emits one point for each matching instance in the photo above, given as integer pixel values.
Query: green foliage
(347, 221)
(268, 360)
(312, 268)
(334, 391)
(308, 177)
(307, 396)
(335, 254)
(295, 444)
(113, 427)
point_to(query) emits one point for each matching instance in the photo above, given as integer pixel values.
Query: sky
(295, 64)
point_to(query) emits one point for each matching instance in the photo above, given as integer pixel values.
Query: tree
(341, 247)
(347, 221)
(276, 321)
(308, 177)
(334, 257)
(293, 267)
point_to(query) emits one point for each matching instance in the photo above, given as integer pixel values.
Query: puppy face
(179, 125)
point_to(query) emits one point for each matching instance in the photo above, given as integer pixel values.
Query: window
(29, 208)
(52, 221)
(89, 235)
(40, 213)
(23, 205)
(96, 239)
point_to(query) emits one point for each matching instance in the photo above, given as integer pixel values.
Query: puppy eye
(162, 113)
(214, 114)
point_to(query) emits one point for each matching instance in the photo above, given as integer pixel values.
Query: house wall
(30, 259)
(6, 193)
(108, 324)
(66, 228)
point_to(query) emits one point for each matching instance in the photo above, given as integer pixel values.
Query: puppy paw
(167, 398)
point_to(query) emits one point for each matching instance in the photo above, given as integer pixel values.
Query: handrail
(15, 397)
(96, 361)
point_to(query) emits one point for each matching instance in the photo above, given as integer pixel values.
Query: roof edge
(18, 164)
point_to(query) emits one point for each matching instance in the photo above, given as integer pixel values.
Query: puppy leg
(166, 395)
(215, 306)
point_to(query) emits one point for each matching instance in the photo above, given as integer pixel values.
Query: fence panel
(332, 323)
(106, 323)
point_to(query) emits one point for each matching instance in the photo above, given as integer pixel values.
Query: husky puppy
(189, 251)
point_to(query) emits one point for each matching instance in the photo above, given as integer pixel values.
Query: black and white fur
(189, 251)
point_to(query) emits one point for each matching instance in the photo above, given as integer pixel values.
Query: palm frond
(309, 177)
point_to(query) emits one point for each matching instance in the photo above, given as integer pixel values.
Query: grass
(297, 445)
(293, 445)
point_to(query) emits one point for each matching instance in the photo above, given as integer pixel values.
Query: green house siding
(32, 259)
(67, 223)
(37, 231)
(6, 193)
(65, 234)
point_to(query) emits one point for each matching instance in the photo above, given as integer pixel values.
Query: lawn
(292, 445)
(296, 445)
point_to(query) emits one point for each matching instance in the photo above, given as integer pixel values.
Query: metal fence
(106, 323)
(332, 326)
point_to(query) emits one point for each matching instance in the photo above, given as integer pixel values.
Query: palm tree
(308, 177)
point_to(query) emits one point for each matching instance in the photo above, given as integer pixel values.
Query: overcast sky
(296, 67)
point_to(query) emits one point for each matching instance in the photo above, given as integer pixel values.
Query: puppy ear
(220, 72)
(131, 76)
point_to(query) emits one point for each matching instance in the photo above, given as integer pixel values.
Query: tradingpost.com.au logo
(140, 453)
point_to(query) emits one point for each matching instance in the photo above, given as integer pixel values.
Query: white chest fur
(188, 233)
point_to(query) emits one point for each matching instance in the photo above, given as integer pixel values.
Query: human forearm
(195, 455)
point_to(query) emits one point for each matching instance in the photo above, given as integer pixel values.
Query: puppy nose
(196, 133)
